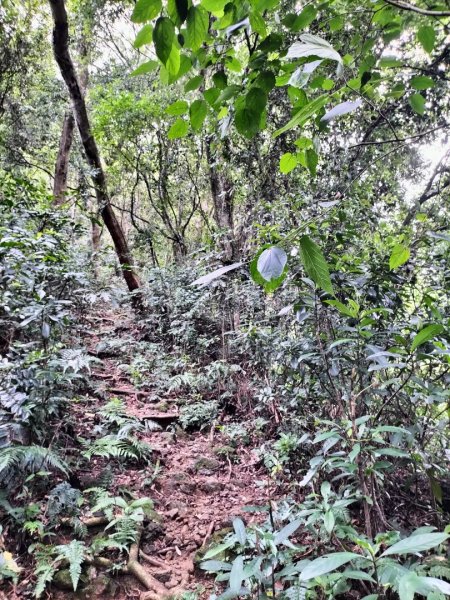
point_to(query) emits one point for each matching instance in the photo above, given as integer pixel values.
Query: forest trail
(196, 492)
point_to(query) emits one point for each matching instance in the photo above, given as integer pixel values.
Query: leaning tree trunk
(64, 60)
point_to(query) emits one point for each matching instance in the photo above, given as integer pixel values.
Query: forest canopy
(224, 310)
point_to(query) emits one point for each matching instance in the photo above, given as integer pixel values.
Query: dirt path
(196, 491)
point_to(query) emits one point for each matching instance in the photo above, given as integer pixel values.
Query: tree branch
(417, 9)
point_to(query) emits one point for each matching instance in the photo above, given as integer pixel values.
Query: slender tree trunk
(67, 133)
(223, 196)
(62, 160)
(64, 60)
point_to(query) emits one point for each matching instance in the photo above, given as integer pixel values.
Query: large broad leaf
(206, 279)
(327, 564)
(219, 549)
(182, 9)
(313, 45)
(271, 263)
(269, 286)
(239, 530)
(422, 82)
(426, 334)
(146, 67)
(436, 584)
(197, 114)
(197, 27)
(300, 76)
(144, 36)
(399, 255)
(341, 109)
(417, 543)
(215, 566)
(304, 114)
(146, 10)
(408, 585)
(236, 574)
(287, 531)
(417, 103)
(315, 264)
(249, 111)
(288, 162)
(427, 37)
(178, 108)
(178, 130)
(163, 38)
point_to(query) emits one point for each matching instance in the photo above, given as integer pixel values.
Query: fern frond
(29, 459)
(45, 574)
(75, 554)
(111, 446)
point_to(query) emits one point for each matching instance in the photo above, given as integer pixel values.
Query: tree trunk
(67, 132)
(222, 195)
(62, 160)
(64, 60)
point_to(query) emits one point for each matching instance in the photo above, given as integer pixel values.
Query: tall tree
(68, 72)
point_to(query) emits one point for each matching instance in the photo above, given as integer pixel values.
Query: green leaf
(417, 103)
(269, 286)
(144, 36)
(180, 107)
(236, 574)
(426, 334)
(417, 543)
(194, 83)
(197, 27)
(163, 38)
(315, 264)
(421, 82)
(214, 6)
(197, 114)
(146, 10)
(311, 161)
(249, 111)
(182, 9)
(284, 533)
(304, 114)
(146, 67)
(399, 255)
(313, 45)
(178, 130)
(258, 24)
(329, 521)
(240, 531)
(305, 18)
(174, 62)
(288, 162)
(408, 585)
(215, 566)
(427, 37)
(219, 549)
(326, 564)
(271, 263)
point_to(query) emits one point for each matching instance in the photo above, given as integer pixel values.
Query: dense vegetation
(224, 228)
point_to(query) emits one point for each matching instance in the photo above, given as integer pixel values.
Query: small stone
(62, 580)
(205, 465)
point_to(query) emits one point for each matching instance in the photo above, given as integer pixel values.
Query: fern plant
(28, 459)
(49, 559)
(123, 448)
(124, 518)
